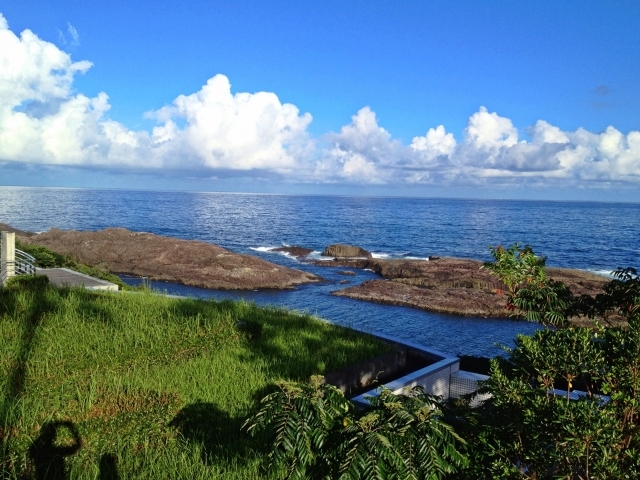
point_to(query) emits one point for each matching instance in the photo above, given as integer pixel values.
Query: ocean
(594, 236)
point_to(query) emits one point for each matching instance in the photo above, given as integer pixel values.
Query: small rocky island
(446, 285)
(188, 262)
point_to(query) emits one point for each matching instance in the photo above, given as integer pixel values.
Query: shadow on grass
(29, 299)
(109, 467)
(38, 303)
(297, 350)
(220, 436)
(48, 456)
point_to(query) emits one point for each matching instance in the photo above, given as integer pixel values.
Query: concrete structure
(443, 377)
(63, 277)
(7, 257)
(463, 383)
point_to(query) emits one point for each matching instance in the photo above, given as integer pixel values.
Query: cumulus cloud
(365, 152)
(242, 131)
(492, 149)
(43, 121)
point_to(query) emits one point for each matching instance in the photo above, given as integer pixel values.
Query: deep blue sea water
(587, 235)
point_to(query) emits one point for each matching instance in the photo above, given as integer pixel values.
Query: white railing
(25, 264)
(12, 261)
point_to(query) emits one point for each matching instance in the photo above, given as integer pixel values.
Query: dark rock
(189, 262)
(347, 272)
(294, 251)
(340, 250)
(7, 228)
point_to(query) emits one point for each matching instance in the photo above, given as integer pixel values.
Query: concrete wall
(363, 374)
(7, 256)
(464, 383)
(434, 378)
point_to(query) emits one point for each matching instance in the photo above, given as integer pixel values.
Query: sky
(452, 98)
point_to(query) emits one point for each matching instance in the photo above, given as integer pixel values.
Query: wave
(270, 250)
(317, 255)
(401, 255)
(263, 249)
(604, 273)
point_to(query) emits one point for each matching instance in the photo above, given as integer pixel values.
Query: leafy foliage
(531, 293)
(531, 427)
(316, 433)
(516, 266)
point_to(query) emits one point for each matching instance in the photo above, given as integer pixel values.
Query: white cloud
(491, 150)
(43, 121)
(364, 152)
(73, 33)
(242, 131)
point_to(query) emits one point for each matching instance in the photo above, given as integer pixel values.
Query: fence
(13, 261)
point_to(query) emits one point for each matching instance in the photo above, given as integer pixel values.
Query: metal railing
(23, 264)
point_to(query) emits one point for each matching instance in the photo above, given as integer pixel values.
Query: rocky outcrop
(450, 285)
(7, 228)
(339, 250)
(456, 301)
(189, 262)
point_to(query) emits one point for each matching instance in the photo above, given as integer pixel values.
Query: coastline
(454, 286)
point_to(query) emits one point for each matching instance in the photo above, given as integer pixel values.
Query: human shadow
(30, 299)
(48, 456)
(38, 303)
(220, 435)
(109, 467)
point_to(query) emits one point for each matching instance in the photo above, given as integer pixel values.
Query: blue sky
(481, 99)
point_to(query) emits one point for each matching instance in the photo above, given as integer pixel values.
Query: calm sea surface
(591, 236)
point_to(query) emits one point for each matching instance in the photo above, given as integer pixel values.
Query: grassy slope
(160, 385)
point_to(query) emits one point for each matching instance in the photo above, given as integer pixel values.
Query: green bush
(28, 282)
(316, 433)
(529, 429)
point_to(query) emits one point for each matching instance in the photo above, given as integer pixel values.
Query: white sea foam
(418, 258)
(270, 250)
(380, 255)
(263, 249)
(604, 273)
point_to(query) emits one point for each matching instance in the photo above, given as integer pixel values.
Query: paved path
(63, 277)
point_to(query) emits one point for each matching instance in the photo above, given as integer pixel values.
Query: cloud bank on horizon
(44, 121)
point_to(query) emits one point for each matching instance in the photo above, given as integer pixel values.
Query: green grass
(158, 387)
